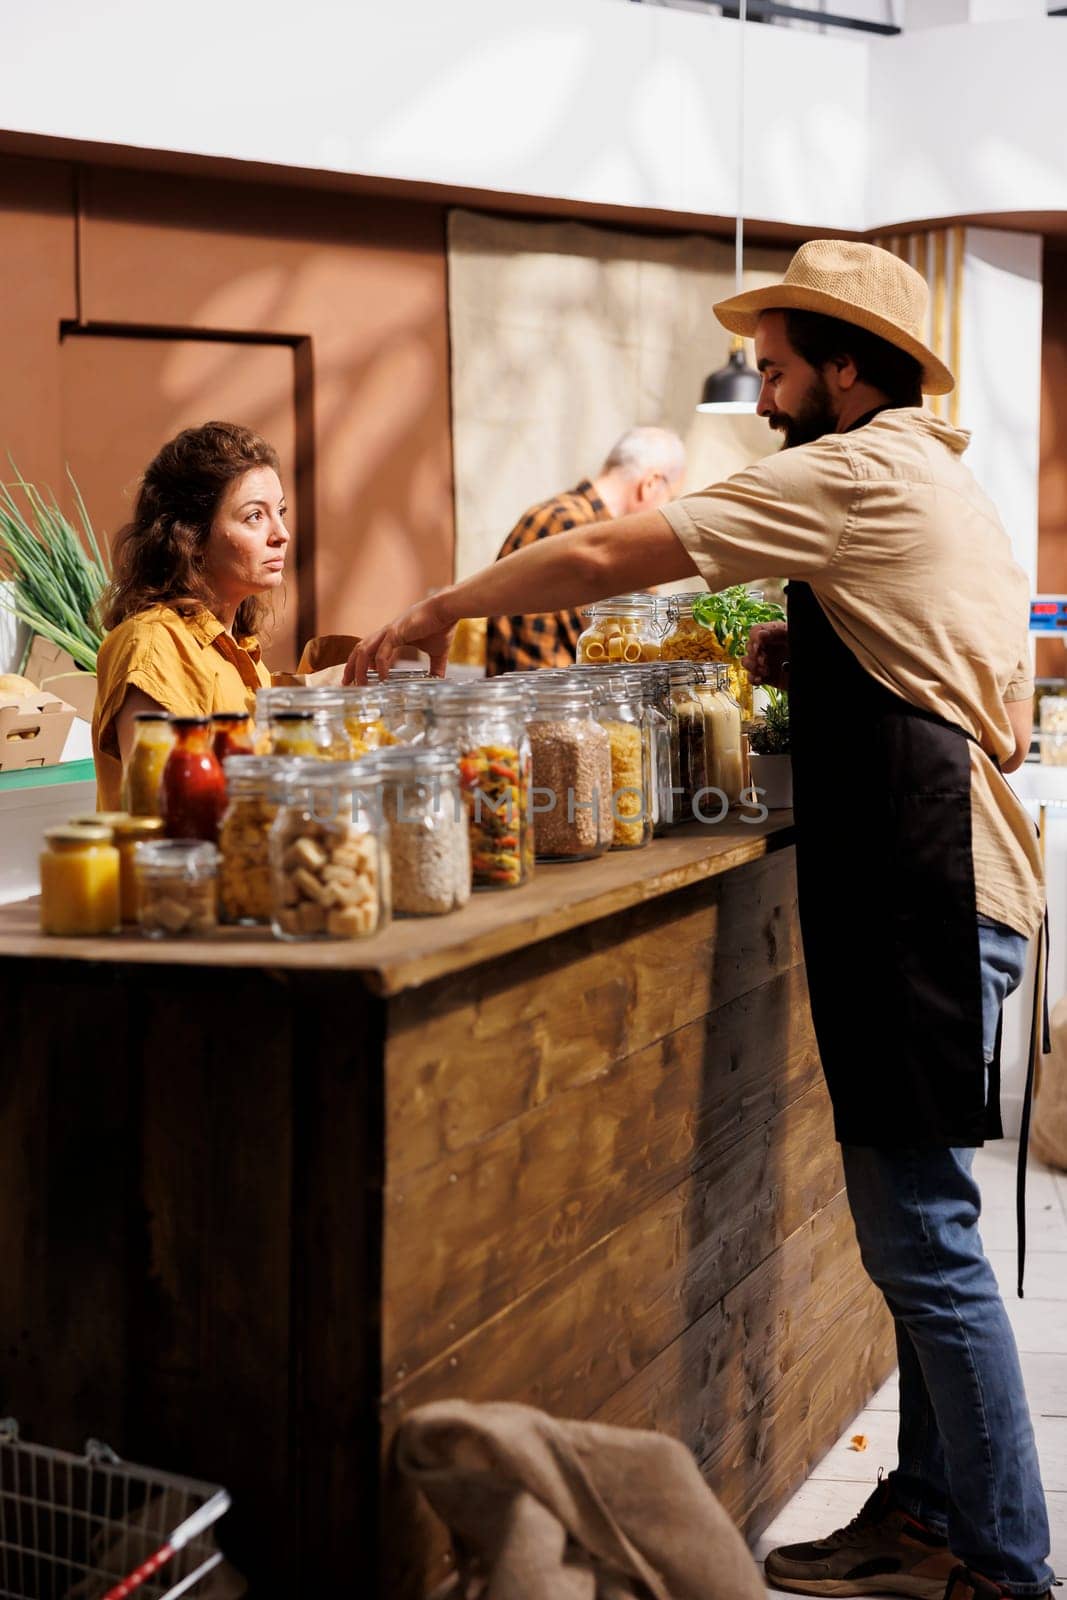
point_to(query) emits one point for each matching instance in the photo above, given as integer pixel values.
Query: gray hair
(642, 450)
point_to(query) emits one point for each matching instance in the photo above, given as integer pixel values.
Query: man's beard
(814, 416)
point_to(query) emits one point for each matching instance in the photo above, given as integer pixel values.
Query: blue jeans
(967, 1462)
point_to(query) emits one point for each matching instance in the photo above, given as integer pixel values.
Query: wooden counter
(569, 1146)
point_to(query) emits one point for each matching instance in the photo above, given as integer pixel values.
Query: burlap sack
(1048, 1138)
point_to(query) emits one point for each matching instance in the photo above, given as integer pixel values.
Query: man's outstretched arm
(570, 569)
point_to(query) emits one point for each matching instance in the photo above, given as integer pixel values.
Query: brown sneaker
(881, 1551)
(966, 1585)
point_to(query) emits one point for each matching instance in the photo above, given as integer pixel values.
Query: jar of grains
(621, 631)
(429, 838)
(252, 785)
(619, 705)
(722, 731)
(689, 769)
(176, 888)
(486, 723)
(571, 774)
(329, 862)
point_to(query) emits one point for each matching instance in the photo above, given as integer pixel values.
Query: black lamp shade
(735, 387)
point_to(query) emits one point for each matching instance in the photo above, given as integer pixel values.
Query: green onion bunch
(731, 613)
(57, 579)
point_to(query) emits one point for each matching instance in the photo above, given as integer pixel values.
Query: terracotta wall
(1052, 500)
(134, 304)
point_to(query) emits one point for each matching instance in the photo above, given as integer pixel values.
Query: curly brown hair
(158, 557)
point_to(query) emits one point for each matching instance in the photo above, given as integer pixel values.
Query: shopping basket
(93, 1527)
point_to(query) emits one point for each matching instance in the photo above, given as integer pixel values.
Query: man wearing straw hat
(906, 657)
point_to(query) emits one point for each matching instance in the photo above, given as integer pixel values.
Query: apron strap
(1039, 1008)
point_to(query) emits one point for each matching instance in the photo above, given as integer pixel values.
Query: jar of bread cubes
(244, 838)
(329, 859)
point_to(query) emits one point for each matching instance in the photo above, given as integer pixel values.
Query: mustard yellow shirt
(191, 665)
(911, 565)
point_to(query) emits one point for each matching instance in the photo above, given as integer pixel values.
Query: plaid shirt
(549, 640)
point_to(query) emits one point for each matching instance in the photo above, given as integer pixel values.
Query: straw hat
(858, 283)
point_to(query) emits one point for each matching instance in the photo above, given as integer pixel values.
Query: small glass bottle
(253, 786)
(79, 882)
(429, 838)
(176, 888)
(232, 734)
(143, 771)
(193, 790)
(329, 855)
(486, 723)
(128, 833)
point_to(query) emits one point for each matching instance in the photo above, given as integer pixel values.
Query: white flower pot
(773, 775)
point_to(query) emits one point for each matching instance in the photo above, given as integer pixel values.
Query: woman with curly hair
(207, 540)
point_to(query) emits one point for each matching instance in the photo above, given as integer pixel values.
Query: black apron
(882, 800)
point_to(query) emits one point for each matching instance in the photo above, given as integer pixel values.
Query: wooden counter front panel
(612, 1187)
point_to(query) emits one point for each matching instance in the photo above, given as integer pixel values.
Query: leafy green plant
(770, 737)
(57, 580)
(731, 613)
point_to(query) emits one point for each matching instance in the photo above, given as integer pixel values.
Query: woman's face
(245, 551)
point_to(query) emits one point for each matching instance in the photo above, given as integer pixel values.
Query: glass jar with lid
(252, 785)
(193, 789)
(313, 728)
(429, 835)
(653, 682)
(1053, 736)
(689, 639)
(486, 722)
(570, 795)
(369, 715)
(329, 857)
(176, 888)
(620, 709)
(143, 772)
(621, 631)
(722, 728)
(232, 733)
(128, 833)
(80, 894)
(689, 769)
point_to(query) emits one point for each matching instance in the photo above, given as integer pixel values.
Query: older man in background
(643, 470)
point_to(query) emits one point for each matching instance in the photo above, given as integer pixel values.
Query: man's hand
(421, 626)
(767, 658)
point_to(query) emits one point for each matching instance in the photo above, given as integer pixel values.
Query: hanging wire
(739, 227)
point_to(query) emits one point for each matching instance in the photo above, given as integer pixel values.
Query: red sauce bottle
(231, 734)
(193, 789)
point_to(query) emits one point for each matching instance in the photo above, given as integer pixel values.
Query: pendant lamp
(735, 387)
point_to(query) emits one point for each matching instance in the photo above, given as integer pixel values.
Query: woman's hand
(421, 626)
(767, 658)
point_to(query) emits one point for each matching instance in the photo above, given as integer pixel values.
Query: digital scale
(1048, 613)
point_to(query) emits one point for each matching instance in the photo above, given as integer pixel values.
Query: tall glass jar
(143, 772)
(620, 710)
(653, 682)
(252, 785)
(687, 639)
(571, 772)
(176, 896)
(232, 734)
(79, 882)
(329, 857)
(689, 766)
(722, 727)
(487, 725)
(621, 631)
(193, 789)
(429, 836)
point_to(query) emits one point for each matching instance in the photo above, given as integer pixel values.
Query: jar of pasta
(486, 723)
(620, 710)
(621, 631)
(368, 715)
(143, 771)
(328, 853)
(79, 882)
(176, 888)
(252, 784)
(688, 638)
(689, 768)
(722, 729)
(429, 837)
(570, 794)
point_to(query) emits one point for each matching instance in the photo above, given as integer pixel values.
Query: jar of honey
(193, 790)
(79, 882)
(143, 772)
